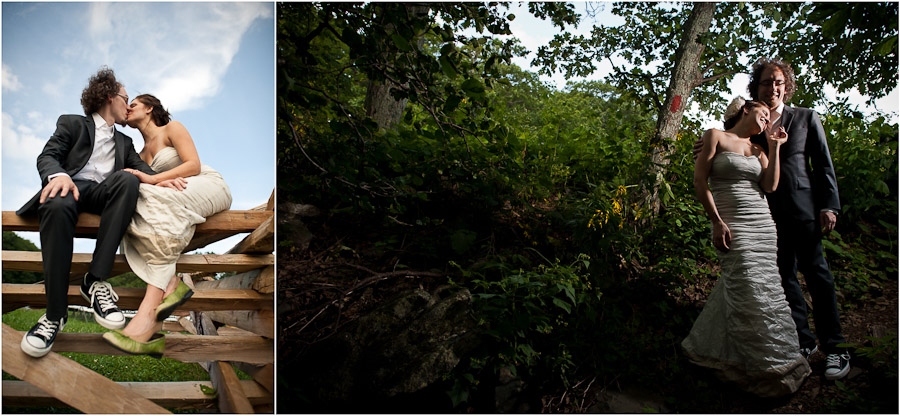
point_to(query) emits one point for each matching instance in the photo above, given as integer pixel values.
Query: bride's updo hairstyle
(735, 110)
(159, 115)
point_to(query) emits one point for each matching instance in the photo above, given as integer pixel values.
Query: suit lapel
(787, 115)
(92, 130)
(119, 140)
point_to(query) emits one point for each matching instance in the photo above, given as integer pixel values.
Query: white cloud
(179, 52)
(19, 141)
(10, 81)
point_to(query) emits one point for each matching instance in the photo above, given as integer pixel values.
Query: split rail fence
(231, 326)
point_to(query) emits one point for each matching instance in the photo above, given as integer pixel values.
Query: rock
(401, 347)
(299, 210)
(290, 223)
(854, 372)
(628, 401)
(508, 395)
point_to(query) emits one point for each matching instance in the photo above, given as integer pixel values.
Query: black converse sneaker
(39, 339)
(103, 299)
(837, 365)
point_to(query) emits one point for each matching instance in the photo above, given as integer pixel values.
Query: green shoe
(175, 299)
(154, 347)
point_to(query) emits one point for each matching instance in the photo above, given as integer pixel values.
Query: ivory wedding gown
(745, 331)
(164, 219)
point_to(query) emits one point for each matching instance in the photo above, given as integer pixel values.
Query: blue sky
(211, 64)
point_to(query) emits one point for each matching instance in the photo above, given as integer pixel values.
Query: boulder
(401, 347)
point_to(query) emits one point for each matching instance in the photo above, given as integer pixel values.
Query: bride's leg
(144, 324)
(173, 283)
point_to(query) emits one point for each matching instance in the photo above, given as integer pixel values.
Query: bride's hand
(145, 178)
(721, 236)
(778, 137)
(177, 184)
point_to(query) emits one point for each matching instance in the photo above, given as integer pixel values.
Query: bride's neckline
(735, 153)
(153, 158)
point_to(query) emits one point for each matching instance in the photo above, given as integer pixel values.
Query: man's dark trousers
(800, 248)
(114, 200)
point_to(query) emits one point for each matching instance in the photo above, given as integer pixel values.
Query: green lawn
(116, 368)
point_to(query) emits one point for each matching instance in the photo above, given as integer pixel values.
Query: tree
(11, 241)
(685, 76)
(401, 57)
(739, 34)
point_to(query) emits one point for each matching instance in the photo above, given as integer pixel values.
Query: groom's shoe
(39, 339)
(103, 299)
(837, 365)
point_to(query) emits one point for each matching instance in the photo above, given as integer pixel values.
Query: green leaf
(452, 103)
(461, 240)
(887, 46)
(401, 42)
(562, 304)
(473, 87)
(447, 67)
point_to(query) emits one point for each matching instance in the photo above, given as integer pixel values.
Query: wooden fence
(231, 325)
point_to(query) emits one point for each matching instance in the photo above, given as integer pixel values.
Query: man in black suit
(81, 170)
(804, 204)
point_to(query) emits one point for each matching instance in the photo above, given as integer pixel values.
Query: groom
(805, 203)
(81, 170)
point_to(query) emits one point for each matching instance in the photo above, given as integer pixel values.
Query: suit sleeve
(56, 150)
(825, 181)
(134, 161)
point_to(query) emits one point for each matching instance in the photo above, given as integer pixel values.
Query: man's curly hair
(101, 86)
(790, 81)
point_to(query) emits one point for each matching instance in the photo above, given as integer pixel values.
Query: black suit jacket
(807, 184)
(70, 148)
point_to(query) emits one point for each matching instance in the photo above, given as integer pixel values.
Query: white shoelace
(46, 327)
(833, 360)
(104, 294)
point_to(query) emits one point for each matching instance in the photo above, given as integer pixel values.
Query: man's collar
(780, 109)
(99, 122)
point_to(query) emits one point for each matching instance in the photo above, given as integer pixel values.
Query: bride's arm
(190, 161)
(772, 164)
(702, 165)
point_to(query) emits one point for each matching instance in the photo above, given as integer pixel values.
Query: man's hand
(827, 220)
(61, 184)
(698, 146)
(177, 184)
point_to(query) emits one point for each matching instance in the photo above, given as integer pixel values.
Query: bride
(745, 331)
(170, 204)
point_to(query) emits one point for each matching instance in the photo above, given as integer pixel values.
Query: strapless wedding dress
(745, 331)
(164, 219)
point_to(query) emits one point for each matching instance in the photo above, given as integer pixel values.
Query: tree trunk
(685, 77)
(380, 105)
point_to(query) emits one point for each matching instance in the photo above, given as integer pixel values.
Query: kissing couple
(149, 202)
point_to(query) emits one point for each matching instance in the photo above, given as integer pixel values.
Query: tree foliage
(11, 241)
(531, 197)
(851, 45)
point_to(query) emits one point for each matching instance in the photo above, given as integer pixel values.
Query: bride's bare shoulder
(713, 135)
(175, 126)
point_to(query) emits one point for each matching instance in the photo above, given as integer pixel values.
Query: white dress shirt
(103, 157)
(774, 124)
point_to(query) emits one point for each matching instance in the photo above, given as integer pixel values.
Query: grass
(116, 368)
